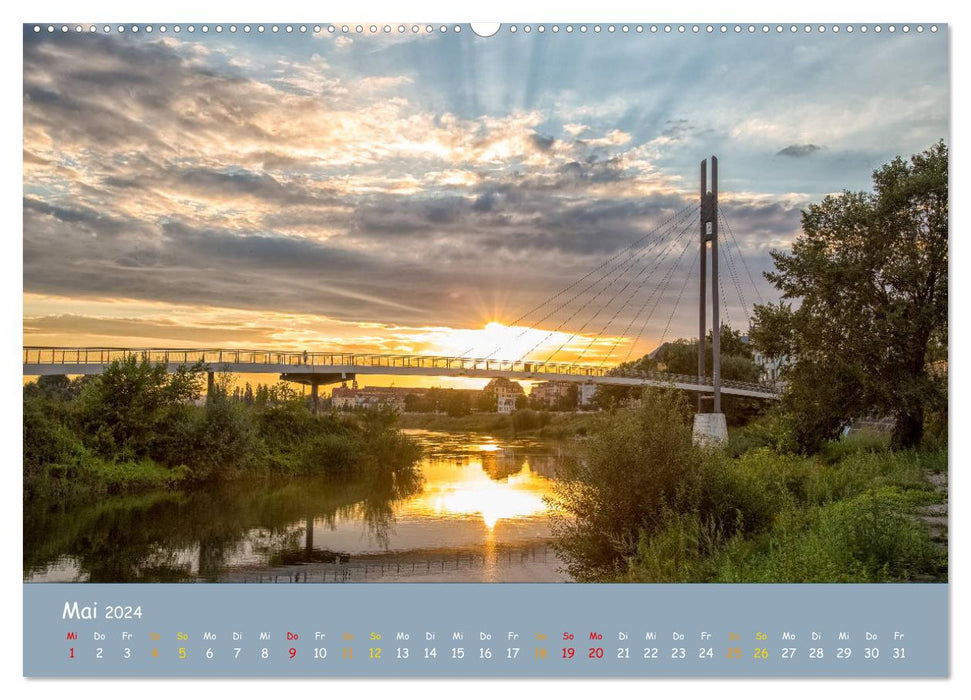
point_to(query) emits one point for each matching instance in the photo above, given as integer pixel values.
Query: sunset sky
(398, 192)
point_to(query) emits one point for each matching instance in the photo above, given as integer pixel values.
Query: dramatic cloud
(395, 188)
(799, 151)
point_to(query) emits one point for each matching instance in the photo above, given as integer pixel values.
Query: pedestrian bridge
(317, 368)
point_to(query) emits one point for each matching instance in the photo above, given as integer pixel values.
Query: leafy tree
(681, 357)
(283, 392)
(262, 396)
(225, 439)
(869, 271)
(56, 386)
(487, 402)
(569, 401)
(125, 407)
(457, 403)
(634, 464)
(415, 403)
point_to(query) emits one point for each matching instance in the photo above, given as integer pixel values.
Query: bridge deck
(54, 360)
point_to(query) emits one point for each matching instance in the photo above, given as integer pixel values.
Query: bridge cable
(640, 242)
(647, 319)
(620, 269)
(630, 264)
(736, 278)
(655, 294)
(733, 273)
(650, 274)
(724, 299)
(594, 298)
(687, 278)
(731, 233)
(673, 246)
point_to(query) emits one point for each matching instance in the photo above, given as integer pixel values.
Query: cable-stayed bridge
(329, 368)
(600, 309)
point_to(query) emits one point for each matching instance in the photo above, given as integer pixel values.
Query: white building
(770, 368)
(506, 391)
(506, 403)
(585, 397)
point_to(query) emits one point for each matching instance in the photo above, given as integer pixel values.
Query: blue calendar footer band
(549, 630)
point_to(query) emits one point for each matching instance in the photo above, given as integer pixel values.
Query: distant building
(585, 397)
(345, 399)
(549, 393)
(505, 403)
(770, 368)
(507, 393)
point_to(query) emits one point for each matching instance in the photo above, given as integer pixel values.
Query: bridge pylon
(709, 428)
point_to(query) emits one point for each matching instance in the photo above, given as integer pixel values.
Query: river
(474, 511)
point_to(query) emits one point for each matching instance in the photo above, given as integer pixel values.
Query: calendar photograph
(446, 303)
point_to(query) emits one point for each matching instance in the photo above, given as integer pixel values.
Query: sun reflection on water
(467, 490)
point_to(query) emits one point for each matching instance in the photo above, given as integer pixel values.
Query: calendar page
(540, 349)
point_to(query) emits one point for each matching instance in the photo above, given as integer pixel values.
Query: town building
(585, 397)
(549, 393)
(770, 368)
(505, 403)
(507, 393)
(350, 399)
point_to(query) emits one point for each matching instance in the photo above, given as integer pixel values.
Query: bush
(283, 425)
(528, 419)
(860, 471)
(774, 430)
(125, 407)
(744, 495)
(833, 451)
(330, 453)
(225, 441)
(681, 551)
(868, 538)
(47, 440)
(635, 463)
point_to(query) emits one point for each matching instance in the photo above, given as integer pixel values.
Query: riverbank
(473, 509)
(643, 504)
(136, 427)
(860, 519)
(524, 423)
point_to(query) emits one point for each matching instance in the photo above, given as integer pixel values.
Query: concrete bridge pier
(314, 380)
(710, 429)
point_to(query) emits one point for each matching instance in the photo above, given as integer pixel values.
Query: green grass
(848, 514)
(136, 426)
(869, 538)
(93, 475)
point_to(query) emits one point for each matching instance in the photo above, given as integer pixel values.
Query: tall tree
(867, 284)
(681, 357)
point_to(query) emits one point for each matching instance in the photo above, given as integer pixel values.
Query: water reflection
(472, 500)
(484, 480)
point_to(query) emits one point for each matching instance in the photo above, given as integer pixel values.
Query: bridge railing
(217, 357)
